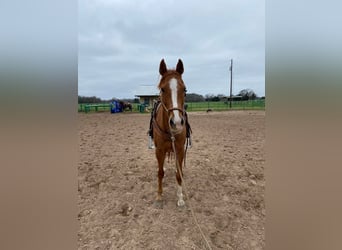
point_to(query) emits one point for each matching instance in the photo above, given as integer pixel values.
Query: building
(147, 94)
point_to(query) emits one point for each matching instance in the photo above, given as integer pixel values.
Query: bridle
(166, 134)
(170, 133)
(171, 109)
(168, 111)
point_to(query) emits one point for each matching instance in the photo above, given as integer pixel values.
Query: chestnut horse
(169, 129)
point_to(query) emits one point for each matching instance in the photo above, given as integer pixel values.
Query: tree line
(94, 99)
(245, 94)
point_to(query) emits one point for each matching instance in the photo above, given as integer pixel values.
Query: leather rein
(166, 134)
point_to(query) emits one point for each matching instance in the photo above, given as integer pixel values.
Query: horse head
(172, 95)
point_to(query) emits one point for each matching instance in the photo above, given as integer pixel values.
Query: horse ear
(162, 67)
(180, 68)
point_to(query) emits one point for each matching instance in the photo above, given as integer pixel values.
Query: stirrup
(150, 143)
(189, 142)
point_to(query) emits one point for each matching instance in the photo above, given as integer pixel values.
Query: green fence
(220, 106)
(192, 106)
(98, 107)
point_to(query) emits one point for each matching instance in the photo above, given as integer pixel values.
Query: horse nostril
(172, 123)
(182, 121)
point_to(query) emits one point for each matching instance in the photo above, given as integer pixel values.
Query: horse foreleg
(161, 159)
(160, 182)
(179, 172)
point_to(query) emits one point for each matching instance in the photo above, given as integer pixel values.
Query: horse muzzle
(176, 126)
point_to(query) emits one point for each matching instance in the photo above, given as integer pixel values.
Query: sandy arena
(224, 177)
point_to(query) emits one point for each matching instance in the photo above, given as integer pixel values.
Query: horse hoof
(180, 203)
(158, 204)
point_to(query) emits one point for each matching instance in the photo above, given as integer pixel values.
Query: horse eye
(162, 90)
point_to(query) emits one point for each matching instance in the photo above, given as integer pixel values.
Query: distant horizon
(189, 91)
(259, 96)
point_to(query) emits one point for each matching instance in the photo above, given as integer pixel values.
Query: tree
(91, 99)
(215, 99)
(247, 94)
(192, 97)
(221, 97)
(209, 97)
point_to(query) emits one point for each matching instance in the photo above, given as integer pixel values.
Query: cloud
(122, 42)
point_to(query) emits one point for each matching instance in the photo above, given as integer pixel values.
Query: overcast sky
(121, 43)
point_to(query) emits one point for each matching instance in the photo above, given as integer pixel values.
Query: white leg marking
(180, 201)
(173, 87)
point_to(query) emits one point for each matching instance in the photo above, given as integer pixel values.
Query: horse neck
(162, 118)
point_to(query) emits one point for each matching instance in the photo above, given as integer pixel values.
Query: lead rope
(185, 189)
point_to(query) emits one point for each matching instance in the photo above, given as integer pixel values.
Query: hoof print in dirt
(126, 209)
(158, 204)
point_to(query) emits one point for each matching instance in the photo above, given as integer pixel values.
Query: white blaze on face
(174, 97)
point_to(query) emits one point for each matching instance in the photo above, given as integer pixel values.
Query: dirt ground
(224, 177)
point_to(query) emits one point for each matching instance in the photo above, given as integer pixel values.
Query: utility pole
(231, 83)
